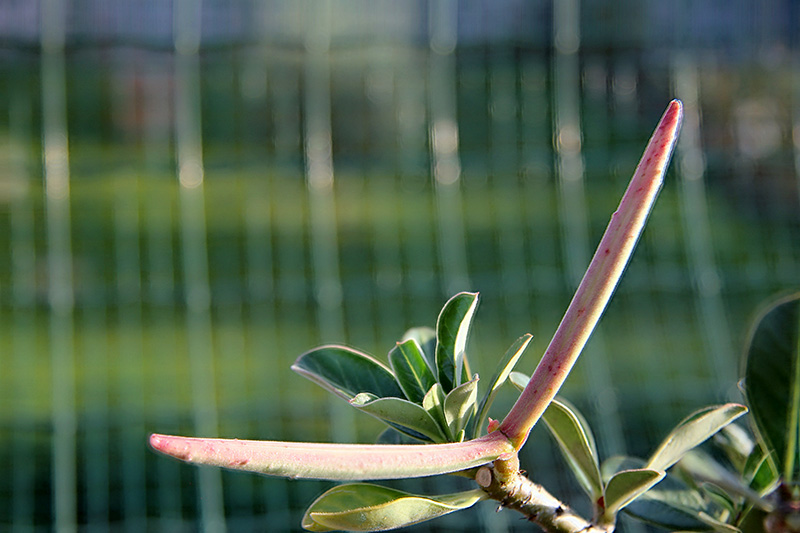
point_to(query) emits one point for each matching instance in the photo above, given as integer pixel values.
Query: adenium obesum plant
(429, 399)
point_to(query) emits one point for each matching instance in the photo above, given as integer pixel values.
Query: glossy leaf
(413, 373)
(772, 383)
(459, 406)
(692, 431)
(703, 468)
(624, 487)
(347, 372)
(618, 463)
(717, 525)
(367, 507)
(737, 443)
(426, 339)
(505, 367)
(433, 403)
(452, 330)
(577, 444)
(519, 380)
(337, 462)
(760, 471)
(671, 505)
(720, 497)
(401, 412)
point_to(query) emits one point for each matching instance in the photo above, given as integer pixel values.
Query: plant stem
(515, 491)
(598, 283)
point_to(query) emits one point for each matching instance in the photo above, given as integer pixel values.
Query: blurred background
(193, 193)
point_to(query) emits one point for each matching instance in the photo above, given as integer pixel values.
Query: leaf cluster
(426, 393)
(748, 479)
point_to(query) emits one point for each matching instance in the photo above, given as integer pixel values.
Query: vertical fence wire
(127, 266)
(159, 267)
(418, 253)
(189, 152)
(794, 96)
(795, 127)
(255, 81)
(60, 290)
(697, 231)
(508, 195)
(130, 349)
(445, 164)
(98, 426)
(573, 211)
(318, 146)
(23, 301)
(386, 240)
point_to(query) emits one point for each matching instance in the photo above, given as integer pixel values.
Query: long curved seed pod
(340, 462)
(599, 282)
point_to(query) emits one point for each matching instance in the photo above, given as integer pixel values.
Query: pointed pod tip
(156, 441)
(174, 446)
(673, 115)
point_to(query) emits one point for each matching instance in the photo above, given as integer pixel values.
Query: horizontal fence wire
(191, 198)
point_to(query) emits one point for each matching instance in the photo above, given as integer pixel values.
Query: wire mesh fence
(193, 194)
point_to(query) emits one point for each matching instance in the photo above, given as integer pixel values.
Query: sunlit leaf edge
(347, 507)
(452, 333)
(577, 444)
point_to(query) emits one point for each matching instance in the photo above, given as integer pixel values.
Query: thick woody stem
(515, 491)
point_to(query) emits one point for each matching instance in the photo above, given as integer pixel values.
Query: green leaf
(367, 507)
(701, 467)
(433, 403)
(411, 369)
(426, 339)
(399, 412)
(347, 372)
(519, 380)
(671, 505)
(719, 496)
(737, 443)
(577, 444)
(618, 463)
(717, 525)
(626, 486)
(459, 406)
(772, 383)
(505, 367)
(760, 471)
(452, 330)
(692, 431)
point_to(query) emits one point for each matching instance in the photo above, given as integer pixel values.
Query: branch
(515, 491)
